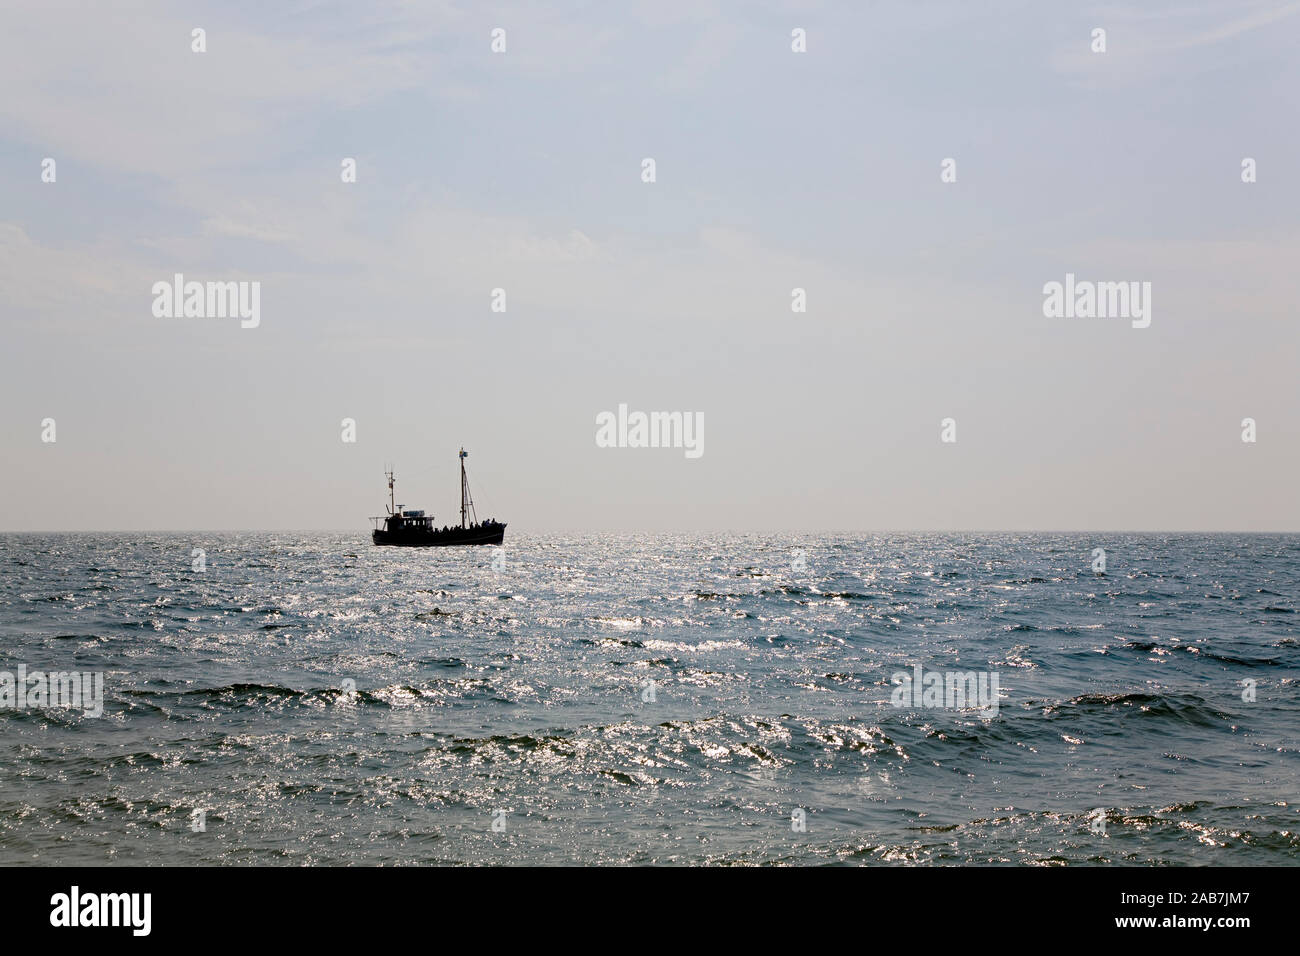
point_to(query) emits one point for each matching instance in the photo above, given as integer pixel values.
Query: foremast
(466, 502)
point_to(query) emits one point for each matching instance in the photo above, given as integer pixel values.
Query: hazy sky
(522, 170)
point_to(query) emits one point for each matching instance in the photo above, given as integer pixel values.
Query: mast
(464, 487)
(392, 479)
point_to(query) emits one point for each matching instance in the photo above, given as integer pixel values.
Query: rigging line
(425, 471)
(468, 475)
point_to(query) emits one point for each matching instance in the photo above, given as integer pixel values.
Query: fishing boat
(414, 529)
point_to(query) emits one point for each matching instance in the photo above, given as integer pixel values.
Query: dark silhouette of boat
(415, 529)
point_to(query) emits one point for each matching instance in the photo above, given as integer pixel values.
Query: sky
(775, 170)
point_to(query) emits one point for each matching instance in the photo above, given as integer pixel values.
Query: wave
(1187, 709)
(1203, 653)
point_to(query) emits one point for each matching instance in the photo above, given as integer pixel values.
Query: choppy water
(482, 690)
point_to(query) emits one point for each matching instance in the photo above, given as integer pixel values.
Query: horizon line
(769, 531)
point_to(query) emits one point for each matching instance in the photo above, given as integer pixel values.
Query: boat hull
(452, 537)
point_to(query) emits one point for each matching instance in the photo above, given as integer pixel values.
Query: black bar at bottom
(340, 906)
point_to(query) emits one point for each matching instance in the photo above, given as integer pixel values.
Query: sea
(737, 699)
